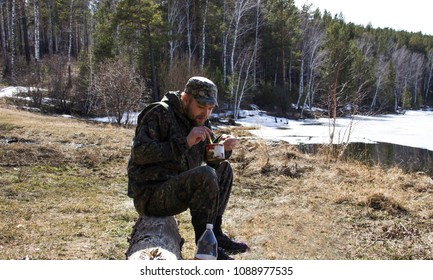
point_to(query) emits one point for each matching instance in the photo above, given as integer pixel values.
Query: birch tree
(400, 59)
(37, 39)
(361, 72)
(429, 74)
(312, 38)
(71, 9)
(256, 44)
(227, 27)
(24, 30)
(240, 28)
(6, 69)
(203, 35)
(189, 28)
(50, 36)
(243, 75)
(176, 26)
(381, 72)
(12, 39)
(417, 66)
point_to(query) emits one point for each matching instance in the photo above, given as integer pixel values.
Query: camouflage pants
(204, 190)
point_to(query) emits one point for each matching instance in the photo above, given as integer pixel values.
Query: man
(166, 171)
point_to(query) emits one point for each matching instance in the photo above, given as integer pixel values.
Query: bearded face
(196, 112)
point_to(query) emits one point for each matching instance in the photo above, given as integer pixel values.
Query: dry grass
(62, 188)
(63, 196)
(302, 207)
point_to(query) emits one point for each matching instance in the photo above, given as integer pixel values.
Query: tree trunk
(301, 79)
(50, 28)
(4, 42)
(25, 31)
(155, 86)
(376, 93)
(283, 74)
(155, 238)
(256, 45)
(70, 43)
(13, 70)
(429, 75)
(176, 22)
(203, 49)
(225, 48)
(37, 41)
(189, 33)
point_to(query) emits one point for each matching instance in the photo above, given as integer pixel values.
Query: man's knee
(206, 173)
(206, 180)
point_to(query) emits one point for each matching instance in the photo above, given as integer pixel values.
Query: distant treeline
(111, 56)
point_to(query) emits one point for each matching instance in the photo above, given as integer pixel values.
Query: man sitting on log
(166, 172)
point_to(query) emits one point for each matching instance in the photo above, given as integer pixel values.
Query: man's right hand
(197, 135)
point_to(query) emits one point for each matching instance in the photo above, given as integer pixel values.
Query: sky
(412, 16)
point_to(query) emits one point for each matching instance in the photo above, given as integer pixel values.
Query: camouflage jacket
(159, 149)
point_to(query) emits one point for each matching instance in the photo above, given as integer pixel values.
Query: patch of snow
(13, 91)
(413, 129)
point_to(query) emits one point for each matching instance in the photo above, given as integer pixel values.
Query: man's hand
(229, 142)
(198, 134)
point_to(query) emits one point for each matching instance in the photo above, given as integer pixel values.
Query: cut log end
(156, 253)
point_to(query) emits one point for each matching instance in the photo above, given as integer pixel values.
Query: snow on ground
(13, 91)
(413, 129)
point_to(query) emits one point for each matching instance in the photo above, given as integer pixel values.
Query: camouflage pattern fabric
(203, 90)
(165, 176)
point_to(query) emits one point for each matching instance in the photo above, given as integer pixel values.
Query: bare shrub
(55, 69)
(25, 72)
(119, 89)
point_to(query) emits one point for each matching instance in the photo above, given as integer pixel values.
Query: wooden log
(155, 238)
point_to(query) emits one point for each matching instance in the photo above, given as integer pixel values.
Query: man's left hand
(229, 142)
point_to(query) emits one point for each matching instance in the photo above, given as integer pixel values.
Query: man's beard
(193, 119)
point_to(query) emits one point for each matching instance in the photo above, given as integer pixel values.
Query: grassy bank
(63, 196)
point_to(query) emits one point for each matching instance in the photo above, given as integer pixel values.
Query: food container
(215, 152)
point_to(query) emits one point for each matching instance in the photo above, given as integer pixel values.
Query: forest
(108, 57)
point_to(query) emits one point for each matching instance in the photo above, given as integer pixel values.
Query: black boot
(230, 246)
(222, 255)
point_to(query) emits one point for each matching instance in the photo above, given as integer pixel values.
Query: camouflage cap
(203, 90)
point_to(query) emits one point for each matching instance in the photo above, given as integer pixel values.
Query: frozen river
(412, 129)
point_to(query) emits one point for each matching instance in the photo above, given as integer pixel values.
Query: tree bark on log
(155, 238)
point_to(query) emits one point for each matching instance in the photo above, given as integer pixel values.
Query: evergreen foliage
(266, 52)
